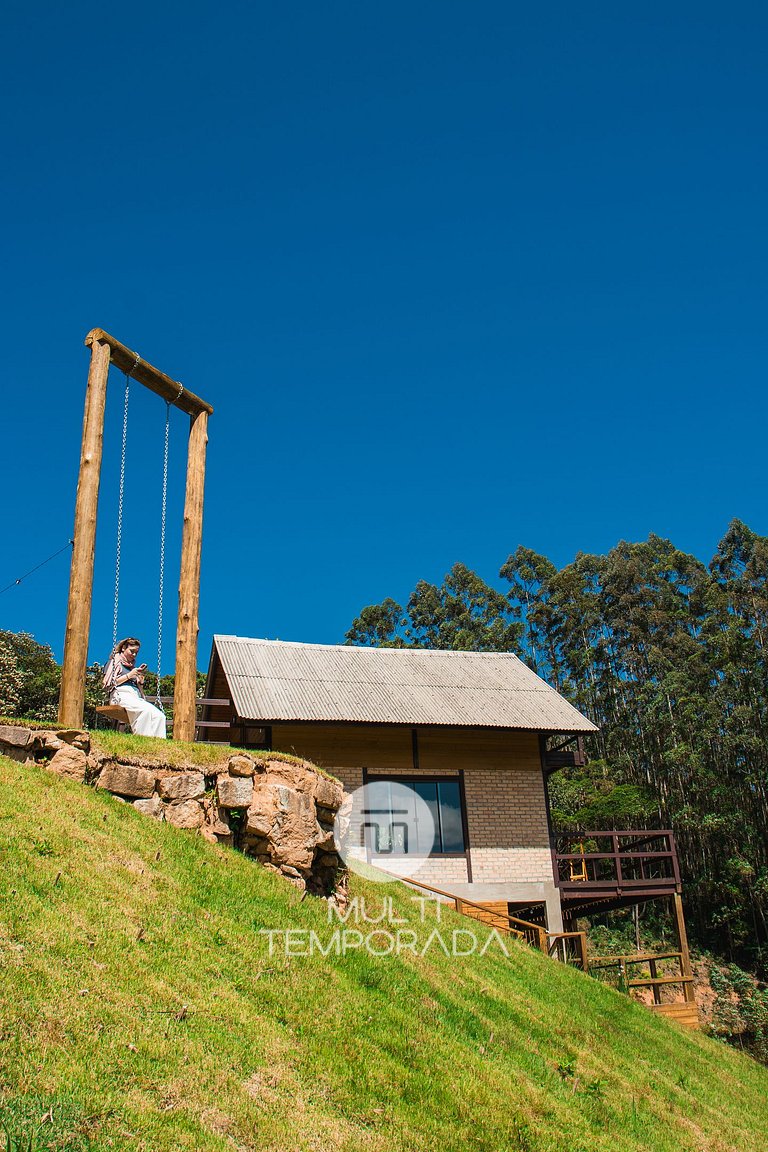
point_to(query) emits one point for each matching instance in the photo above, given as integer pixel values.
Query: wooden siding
(334, 746)
(389, 748)
(441, 748)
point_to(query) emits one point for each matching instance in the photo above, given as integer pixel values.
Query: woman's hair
(124, 643)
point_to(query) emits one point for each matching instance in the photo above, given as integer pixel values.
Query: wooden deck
(601, 871)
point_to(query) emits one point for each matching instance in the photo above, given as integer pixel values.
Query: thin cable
(163, 505)
(69, 544)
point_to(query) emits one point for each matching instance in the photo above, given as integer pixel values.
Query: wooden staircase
(571, 948)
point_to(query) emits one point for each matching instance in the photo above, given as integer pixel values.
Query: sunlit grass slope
(140, 1009)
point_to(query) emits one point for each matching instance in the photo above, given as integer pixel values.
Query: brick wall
(507, 819)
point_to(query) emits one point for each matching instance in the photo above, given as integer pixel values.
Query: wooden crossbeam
(652, 980)
(158, 382)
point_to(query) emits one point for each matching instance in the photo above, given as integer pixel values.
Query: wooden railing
(653, 980)
(201, 702)
(570, 947)
(616, 861)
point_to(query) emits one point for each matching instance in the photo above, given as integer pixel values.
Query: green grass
(139, 1009)
(171, 753)
(25, 722)
(179, 753)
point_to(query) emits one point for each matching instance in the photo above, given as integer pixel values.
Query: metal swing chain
(163, 505)
(120, 505)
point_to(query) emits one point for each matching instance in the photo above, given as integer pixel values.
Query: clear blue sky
(455, 277)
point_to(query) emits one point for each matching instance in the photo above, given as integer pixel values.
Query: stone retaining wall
(280, 812)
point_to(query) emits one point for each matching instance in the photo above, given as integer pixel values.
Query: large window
(398, 825)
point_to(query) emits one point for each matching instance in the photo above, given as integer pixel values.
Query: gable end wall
(503, 783)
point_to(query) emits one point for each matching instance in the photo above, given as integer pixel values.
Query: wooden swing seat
(114, 712)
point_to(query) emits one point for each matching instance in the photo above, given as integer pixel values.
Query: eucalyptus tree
(463, 613)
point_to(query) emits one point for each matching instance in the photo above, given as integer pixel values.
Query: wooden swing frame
(105, 350)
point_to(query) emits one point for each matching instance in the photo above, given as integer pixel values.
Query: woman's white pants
(146, 720)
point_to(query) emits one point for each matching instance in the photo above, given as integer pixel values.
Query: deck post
(189, 582)
(75, 662)
(583, 952)
(685, 956)
(653, 966)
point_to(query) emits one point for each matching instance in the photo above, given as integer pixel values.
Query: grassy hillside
(140, 1009)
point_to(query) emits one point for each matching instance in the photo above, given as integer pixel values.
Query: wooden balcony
(603, 870)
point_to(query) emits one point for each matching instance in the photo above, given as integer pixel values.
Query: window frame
(409, 778)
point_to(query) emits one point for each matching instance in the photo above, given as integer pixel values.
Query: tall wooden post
(189, 582)
(72, 696)
(685, 956)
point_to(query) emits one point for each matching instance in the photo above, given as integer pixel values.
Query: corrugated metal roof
(273, 680)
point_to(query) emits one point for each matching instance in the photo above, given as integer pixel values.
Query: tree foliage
(463, 613)
(669, 657)
(30, 680)
(30, 675)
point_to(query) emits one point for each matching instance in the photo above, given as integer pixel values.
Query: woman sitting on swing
(123, 684)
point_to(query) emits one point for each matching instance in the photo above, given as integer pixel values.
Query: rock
(218, 822)
(262, 811)
(325, 842)
(328, 794)
(151, 807)
(295, 831)
(289, 808)
(241, 766)
(188, 814)
(258, 825)
(70, 762)
(15, 737)
(288, 800)
(182, 786)
(74, 736)
(125, 780)
(234, 791)
(216, 826)
(297, 881)
(21, 755)
(258, 847)
(300, 777)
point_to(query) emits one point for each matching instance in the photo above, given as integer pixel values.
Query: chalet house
(476, 736)
(468, 731)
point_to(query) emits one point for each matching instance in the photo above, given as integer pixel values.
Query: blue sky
(454, 277)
